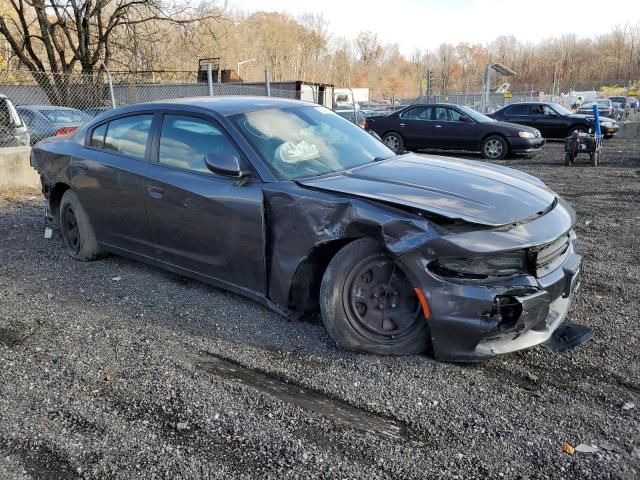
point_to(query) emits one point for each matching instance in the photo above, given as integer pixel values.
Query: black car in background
(292, 205)
(552, 119)
(453, 127)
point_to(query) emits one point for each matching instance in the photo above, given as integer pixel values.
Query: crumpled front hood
(472, 191)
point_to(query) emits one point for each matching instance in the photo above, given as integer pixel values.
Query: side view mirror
(225, 165)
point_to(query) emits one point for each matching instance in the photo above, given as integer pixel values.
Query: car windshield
(478, 117)
(65, 116)
(308, 141)
(604, 103)
(560, 109)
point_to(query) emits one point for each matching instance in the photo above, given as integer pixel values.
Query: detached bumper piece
(568, 336)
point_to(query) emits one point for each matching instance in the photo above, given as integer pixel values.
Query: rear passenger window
(128, 135)
(417, 113)
(184, 141)
(97, 137)
(518, 110)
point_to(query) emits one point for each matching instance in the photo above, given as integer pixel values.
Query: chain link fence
(475, 100)
(34, 106)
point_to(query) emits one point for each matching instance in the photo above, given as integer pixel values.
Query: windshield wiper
(380, 159)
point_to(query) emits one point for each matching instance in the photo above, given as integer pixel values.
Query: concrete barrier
(15, 170)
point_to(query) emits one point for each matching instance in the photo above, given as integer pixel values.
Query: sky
(426, 24)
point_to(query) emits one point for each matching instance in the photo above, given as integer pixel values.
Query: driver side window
(184, 141)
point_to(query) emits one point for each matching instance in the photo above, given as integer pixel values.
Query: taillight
(65, 130)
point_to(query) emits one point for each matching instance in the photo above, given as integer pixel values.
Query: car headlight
(482, 266)
(526, 135)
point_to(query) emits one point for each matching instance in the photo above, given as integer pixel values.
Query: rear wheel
(495, 147)
(369, 305)
(393, 140)
(77, 233)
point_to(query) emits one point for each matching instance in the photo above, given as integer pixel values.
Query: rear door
(202, 222)
(416, 127)
(518, 113)
(108, 178)
(452, 131)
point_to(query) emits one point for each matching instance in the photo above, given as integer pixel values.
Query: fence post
(210, 78)
(110, 80)
(267, 83)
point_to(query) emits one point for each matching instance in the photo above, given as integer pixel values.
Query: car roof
(225, 106)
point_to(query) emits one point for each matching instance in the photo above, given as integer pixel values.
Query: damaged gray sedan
(297, 208)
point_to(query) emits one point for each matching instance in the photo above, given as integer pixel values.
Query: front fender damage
(301, 223)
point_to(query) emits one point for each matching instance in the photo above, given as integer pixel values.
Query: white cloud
(428, 23)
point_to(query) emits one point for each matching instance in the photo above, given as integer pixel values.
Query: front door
(454, 130)
(548, 121)
(205, 223)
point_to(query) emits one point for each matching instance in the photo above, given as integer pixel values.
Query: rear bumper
(526, 145)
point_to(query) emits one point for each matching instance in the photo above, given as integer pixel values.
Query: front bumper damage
(476, 320)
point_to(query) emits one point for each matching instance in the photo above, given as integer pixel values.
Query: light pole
(242, 63)
(498, 67)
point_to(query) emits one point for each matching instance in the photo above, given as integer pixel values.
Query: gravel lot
(113, 369)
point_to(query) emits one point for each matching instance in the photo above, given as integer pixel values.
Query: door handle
(402, 124)
(438, 126)
(155, 192)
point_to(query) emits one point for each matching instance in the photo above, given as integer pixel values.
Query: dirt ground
(113, 369)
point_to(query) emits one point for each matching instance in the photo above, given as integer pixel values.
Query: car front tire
(78, 235)
(368, 304)
(495, 147)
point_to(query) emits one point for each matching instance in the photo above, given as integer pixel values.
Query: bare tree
(53, 37)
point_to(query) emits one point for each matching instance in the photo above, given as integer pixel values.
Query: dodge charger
(294, 206)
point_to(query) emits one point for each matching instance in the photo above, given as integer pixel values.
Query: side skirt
(256, 296)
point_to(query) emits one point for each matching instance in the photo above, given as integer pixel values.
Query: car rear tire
(369, 305)
(394, 141)
(495, 147)
(77, 232)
